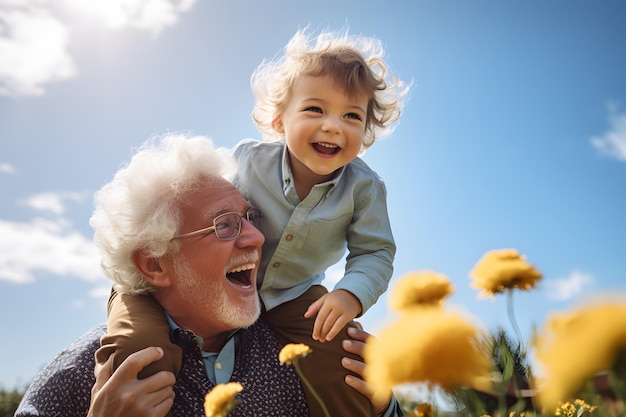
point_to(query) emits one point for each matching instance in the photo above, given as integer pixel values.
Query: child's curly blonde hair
(355, 62)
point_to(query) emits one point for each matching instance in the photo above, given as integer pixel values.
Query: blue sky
(514, 136)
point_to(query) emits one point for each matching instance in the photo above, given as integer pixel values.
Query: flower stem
(516, 328)
(310, 387)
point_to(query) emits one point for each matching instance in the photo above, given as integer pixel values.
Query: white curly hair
(138, 209)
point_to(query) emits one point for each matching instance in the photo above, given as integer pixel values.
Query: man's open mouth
(241, 275)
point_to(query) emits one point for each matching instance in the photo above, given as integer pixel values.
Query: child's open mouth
(326, 148)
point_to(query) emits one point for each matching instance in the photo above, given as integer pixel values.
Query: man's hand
(121, 394)
(356, 345)
(334, 310)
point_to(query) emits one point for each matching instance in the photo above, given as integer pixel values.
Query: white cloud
(6, 168)
(149, 15)
(562, 289)
(52, 202)
(613, 142)
(45, 246)
(34, 40)
(33, 50)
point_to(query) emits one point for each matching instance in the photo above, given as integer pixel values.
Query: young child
(318, 107)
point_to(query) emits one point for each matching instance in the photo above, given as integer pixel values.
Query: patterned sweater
(63, 388)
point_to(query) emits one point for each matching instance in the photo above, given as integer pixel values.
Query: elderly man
(171, 222)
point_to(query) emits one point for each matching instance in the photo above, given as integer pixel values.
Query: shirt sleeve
(371, 247)
(394, 409)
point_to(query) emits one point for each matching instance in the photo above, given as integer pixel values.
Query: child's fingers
(337, 326)
(314, 308)
(318, 326)
(334, 323)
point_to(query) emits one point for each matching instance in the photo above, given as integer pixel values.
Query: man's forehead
(216, 196)
(238, 208)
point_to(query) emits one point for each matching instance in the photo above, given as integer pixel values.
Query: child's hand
(334, 310)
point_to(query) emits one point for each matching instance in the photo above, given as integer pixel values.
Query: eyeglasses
(227, 226)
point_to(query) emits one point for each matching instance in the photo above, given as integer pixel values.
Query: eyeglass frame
(213, 229)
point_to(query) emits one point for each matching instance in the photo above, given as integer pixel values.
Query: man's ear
(277, 124)
(152, 269)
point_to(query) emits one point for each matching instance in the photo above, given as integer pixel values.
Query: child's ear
(152, 269)
(277, 124)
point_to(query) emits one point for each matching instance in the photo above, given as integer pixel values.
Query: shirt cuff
(394, 409)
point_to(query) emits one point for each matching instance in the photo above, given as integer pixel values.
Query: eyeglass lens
(228, 225)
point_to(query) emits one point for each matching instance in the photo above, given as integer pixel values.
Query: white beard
(199, 291)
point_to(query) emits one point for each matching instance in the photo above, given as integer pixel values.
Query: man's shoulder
(63, 387)
(86, 344)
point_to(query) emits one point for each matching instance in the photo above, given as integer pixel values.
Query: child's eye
(353, 116)
(314, 109)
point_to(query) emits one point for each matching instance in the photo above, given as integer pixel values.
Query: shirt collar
(288, 175)
(199, 341)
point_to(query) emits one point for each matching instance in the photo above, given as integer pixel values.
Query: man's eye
(254, 214)
(224, 225)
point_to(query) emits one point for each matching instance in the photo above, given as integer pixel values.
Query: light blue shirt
(219, 365)
(305, 237)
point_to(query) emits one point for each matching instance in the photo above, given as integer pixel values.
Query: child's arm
(334, 310)
(371, 247)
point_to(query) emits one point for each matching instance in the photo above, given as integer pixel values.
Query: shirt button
(289, 237)
(276, 264)
(218, 366)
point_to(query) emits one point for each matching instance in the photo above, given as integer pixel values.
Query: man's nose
(250, 235)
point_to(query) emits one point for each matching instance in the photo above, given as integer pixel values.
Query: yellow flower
(565, 409)
(221, 399)
(423, 410)
(499, 270)
(582, 404)
(292, 352)
(429, 345)
(579, 407)
(419, 288)
(573, 347)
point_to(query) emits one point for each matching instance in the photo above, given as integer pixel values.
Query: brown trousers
(137, 322)
(323, 366)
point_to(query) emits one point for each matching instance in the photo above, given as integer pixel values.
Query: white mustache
(252, 257)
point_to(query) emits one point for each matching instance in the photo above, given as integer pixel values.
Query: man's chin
(251, 321)
(247, 316)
